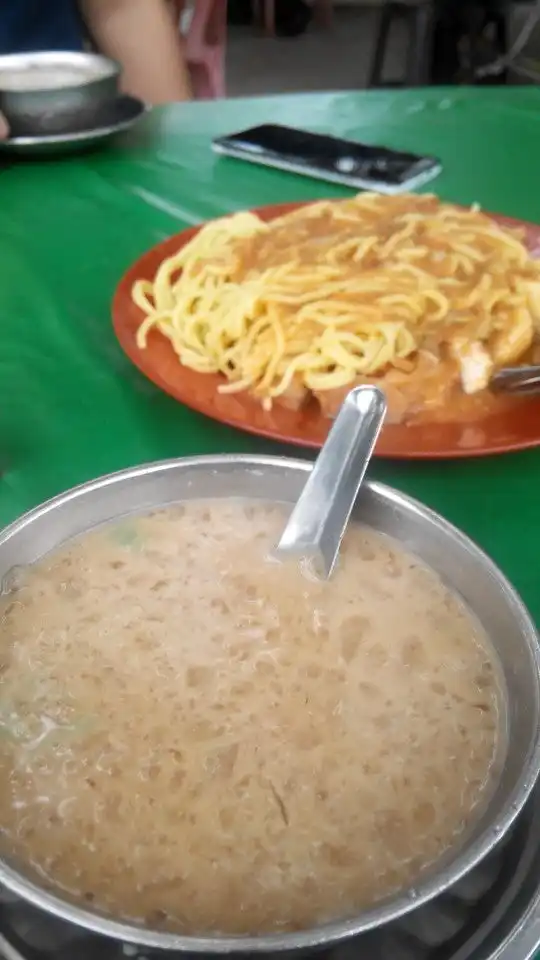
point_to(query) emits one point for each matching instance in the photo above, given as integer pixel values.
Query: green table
(72, 407)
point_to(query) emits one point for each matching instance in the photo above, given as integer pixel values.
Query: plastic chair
(420, 20)
(435, 37)
(205, 42)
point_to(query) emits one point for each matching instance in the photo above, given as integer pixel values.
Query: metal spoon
(7, 951)
(317, 523)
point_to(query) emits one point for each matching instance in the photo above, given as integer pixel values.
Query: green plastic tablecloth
(71, 405)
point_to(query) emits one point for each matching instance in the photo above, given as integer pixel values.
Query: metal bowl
(54, 93)
(460, 563)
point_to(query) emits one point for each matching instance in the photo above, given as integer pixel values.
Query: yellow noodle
(340, 290)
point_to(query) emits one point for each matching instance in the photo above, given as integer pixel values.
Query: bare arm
(142, 36)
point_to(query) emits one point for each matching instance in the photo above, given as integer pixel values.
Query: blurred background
(281, 46)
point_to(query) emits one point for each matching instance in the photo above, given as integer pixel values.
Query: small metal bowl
(54, 93)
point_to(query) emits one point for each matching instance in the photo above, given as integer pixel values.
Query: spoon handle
(7, 951)
(317, 523)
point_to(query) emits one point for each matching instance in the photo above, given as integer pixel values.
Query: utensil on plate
(460, 563)
(517, 380)
(316, 526)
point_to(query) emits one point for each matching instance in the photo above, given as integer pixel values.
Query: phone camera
(347, 165)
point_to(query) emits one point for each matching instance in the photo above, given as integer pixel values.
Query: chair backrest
(205, 40)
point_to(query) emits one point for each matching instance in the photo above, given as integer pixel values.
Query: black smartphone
(316, 155)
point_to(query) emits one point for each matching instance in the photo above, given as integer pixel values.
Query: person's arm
(143, 37)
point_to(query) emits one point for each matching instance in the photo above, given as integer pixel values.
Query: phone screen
(316, 152)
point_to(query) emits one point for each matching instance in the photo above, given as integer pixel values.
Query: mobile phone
(316, 155)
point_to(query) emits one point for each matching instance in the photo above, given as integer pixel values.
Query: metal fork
(517, 380)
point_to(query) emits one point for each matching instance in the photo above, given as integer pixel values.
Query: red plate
(515, 426)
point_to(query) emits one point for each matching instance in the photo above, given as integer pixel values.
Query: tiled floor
(318, 60)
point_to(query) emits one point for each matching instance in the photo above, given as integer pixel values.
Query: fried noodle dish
(425, 299)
